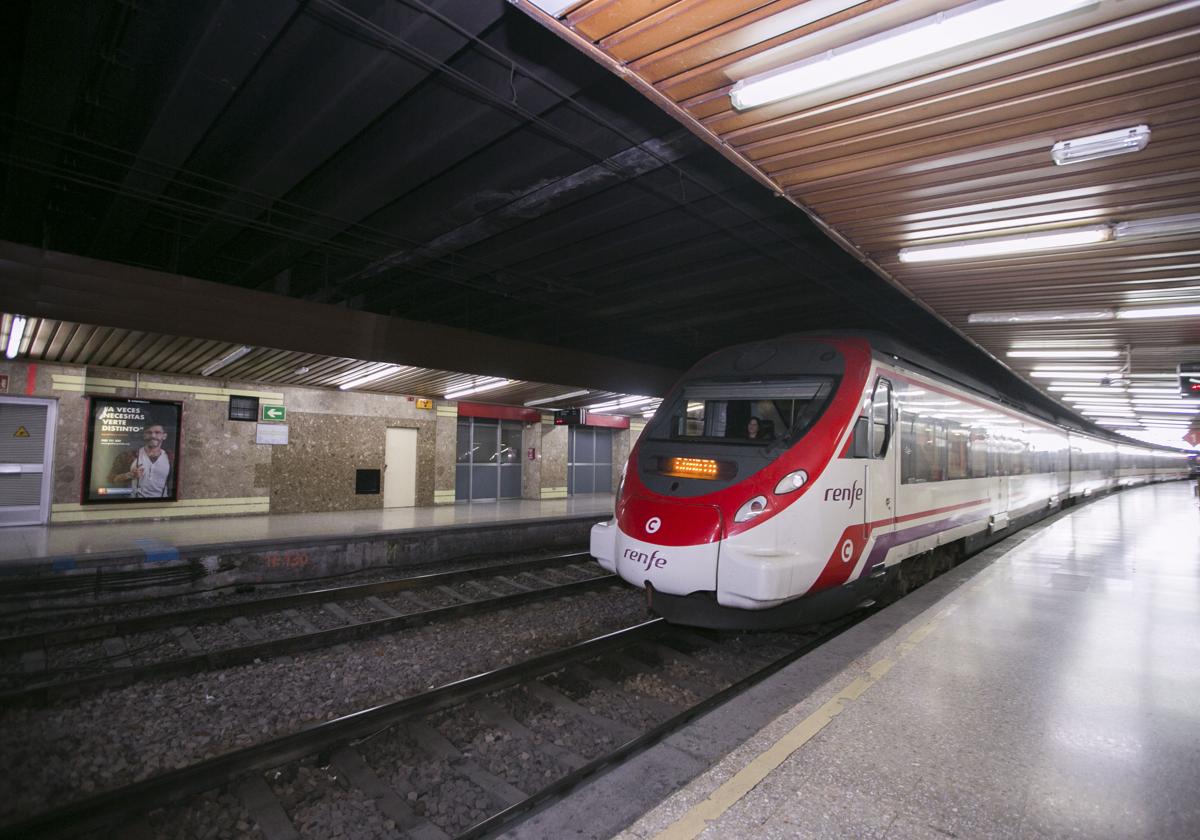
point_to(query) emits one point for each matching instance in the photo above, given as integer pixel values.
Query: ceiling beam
(49, 284)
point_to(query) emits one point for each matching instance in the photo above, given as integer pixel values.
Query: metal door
(400, 468)
(26, 455)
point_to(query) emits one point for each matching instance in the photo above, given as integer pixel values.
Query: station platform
(44, 563)
(1045, 688)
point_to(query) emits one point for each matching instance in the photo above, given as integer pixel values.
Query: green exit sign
(273, 412)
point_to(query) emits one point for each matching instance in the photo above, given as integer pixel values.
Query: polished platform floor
(49, 541)
(1051, 692)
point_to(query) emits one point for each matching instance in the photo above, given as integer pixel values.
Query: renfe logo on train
(850, 494)
(647, 561)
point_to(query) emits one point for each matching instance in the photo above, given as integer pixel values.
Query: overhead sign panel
(570, 417)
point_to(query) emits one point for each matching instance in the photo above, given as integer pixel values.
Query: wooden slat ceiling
(109, 348)
(953, 147)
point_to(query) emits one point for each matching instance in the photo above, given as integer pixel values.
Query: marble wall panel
(621, 447)
(315, 471)
(219, 458)
(531, 471)
(554, 456)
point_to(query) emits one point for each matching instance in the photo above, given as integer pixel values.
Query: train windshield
(752, 413)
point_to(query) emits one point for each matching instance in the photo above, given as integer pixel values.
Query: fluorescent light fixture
(1086, 376)
(995, 246)
(228, 359)
(15, 333)
(554, 8)
(1123, 141)
(375, 375)
(490, 383)
(565, 396)
(1160, 312)
(1074, 344)
(927, 36)
(623, 402)
(1069, 370)
(1164, 226)
(1044, 317)
(1063, 354)
(1087, 389)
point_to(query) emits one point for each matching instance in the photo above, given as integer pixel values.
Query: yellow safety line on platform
(699, 816)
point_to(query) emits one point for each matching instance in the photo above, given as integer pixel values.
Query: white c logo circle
(653, 524)
(847, 551)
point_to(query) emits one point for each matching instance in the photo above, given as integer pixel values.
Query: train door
(882, 475)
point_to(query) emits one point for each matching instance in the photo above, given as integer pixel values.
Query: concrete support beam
(48, 284)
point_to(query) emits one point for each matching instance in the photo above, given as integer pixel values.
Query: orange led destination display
(703, 468)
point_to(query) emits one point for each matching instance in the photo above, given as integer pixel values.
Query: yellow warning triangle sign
(20, 432)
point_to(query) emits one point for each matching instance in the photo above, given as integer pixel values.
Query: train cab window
(881, 418)
(758, 413)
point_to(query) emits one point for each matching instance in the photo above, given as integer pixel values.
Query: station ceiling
(582, 184)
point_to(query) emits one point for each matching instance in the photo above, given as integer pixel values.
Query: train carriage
(787, 481)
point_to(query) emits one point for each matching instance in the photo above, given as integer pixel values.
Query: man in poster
(146, 470)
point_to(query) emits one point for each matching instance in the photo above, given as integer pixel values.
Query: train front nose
(673, 546)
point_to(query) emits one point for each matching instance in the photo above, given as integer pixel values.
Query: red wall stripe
(499, 412)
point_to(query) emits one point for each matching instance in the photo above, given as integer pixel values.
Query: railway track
(487, 738)
(48, 664)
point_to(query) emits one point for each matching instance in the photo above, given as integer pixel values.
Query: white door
(400, 468)
(26, 453)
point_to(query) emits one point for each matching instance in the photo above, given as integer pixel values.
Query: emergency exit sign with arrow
(273, 412)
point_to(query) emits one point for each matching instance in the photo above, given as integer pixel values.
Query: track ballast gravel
(117, 737)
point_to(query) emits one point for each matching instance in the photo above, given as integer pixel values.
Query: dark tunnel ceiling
(446, 162)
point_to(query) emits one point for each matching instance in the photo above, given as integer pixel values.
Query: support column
(446, 454)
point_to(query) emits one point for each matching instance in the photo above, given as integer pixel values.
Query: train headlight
(751, 509)
(791, 482)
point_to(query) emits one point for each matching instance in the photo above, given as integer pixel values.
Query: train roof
(882, 343)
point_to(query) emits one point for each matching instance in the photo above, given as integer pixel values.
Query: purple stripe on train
(887, 542)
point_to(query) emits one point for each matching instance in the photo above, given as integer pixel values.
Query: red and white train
(872, 467)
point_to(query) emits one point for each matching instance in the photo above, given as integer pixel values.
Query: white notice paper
(273, 434)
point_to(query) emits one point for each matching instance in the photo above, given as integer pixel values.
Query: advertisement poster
(132, 450)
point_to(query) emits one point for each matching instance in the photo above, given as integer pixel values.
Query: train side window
(979, 452)
(957, 438)
(881, 418)
(860, 443)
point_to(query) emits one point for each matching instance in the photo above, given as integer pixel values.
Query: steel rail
(195, 615)
(97, 812)
(562, 786)
(44, 692)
